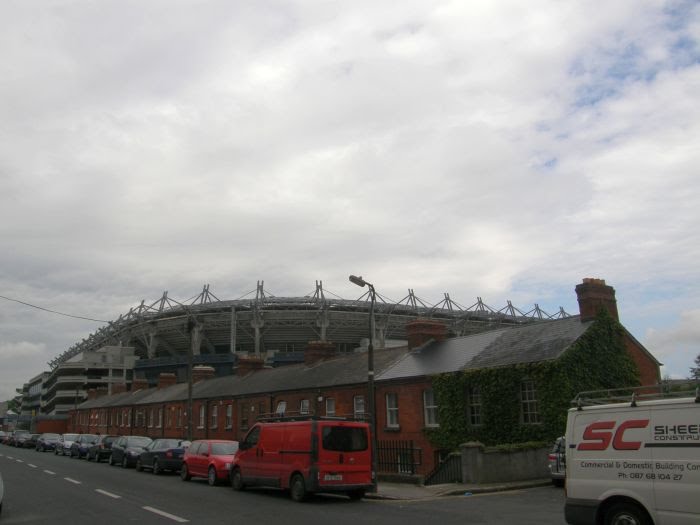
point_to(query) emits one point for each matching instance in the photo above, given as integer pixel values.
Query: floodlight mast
(359, 281)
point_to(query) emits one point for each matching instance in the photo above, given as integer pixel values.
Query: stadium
(167, 335)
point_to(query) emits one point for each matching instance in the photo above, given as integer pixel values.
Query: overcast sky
(501, 149)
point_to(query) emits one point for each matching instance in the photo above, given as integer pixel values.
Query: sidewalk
(408, 491)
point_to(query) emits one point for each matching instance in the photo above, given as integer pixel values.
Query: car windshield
(49, 436)
(223, 449)
(344, 439)
(169, 443)
(70, 437)
(137, 441)
(88, 438)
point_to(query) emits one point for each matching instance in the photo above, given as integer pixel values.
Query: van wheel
(355, 495)
(626, 514)
(237, 480)
(297, 488)
(184, 473)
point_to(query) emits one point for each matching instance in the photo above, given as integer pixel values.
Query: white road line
(73, 481)
(166, 515)
(19, 461)
(33, 466)
(115, 496)
(50, 472)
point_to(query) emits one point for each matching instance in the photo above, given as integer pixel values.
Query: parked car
(210, 458)
(6, 438)
(79, 447)
(30, 442)
(19, 437)
(102, 448)
(3, 435)
(127, 449)
(557, 462)
(46, 441)
(336, 457)
(64, 443)
(162, 454)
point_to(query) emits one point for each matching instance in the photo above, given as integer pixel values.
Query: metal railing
(398, 456)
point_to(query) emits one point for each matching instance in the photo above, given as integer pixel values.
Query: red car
(209, 458)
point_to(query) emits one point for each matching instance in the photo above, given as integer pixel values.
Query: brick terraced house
(506, 385)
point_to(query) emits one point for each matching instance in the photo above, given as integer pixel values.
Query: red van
(313, 455)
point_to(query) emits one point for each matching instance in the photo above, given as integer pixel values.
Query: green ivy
(597, 360)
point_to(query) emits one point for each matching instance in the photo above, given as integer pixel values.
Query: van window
(344, 439)
(252, 438)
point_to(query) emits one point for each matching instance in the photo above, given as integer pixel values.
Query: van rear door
(344, 454)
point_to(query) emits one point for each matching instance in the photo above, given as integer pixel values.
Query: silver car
(557, 462)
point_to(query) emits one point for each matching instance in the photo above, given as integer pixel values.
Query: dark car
(19, 437)
(102, 448)
(79, 448)
(127, 449)
(64, 443)
(161, 455)
(556, 461)
(30, 442)
(3, 436)
(46, 441)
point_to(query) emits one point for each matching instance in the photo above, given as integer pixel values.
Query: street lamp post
(359, 281)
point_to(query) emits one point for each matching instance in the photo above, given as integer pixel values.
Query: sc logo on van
(600, 434)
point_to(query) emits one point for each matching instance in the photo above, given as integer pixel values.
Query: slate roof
(507, 346)
(344, 370)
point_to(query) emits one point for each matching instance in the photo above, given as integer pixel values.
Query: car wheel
(185, 473)
(297, 488)
(626, 514)
(156, 467)
(110, 461)
(125, 462)
(87, 457)
(211, 476)
(139, 465)
(237, 480)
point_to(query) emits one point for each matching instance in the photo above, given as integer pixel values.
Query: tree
(695, 370)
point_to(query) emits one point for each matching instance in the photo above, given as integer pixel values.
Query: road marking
(33, 466)
(10, 457)
(166, 515)
(115, 496)
(19, 461)
(73, 481)
(50, 472)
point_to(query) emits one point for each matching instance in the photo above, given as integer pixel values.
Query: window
(281, 408)
(214, 420)
(528, 403)
(201, 416)
(304, 406)
(244, 416)
(392, 411)
(330, 406)
(169, 417)
(358, 404)
(160, 417)
(179, 417)
(430, 409)
(229, 416)
(474, 406)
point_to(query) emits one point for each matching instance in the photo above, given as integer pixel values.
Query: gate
(398, 456)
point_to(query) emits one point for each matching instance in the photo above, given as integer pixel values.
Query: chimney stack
(202, 372)
(245, 365)
(594, 295)
(166, 379)
(420, 331)
(318, 350)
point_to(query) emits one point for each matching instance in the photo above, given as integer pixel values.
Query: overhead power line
(53, 311)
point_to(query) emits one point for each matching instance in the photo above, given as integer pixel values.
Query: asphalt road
(43, 488)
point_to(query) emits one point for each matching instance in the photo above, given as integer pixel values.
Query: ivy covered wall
(597, 360)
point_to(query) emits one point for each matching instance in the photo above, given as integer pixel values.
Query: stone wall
(481, 465)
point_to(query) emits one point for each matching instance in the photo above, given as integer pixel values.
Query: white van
(634, 463)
